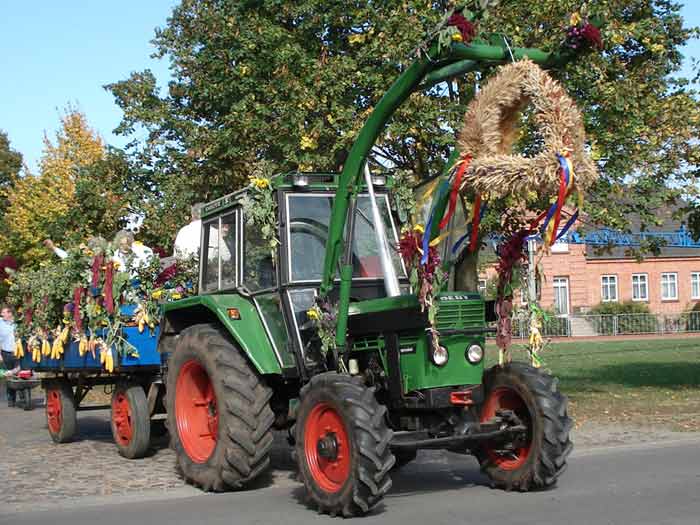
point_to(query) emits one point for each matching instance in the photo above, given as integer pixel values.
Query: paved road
(646, 484)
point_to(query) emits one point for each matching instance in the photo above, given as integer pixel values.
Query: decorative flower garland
(582, 35)
(324, 316)
(259, 206)
(95, 290)
(425, 271)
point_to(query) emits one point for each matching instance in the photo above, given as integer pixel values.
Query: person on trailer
(130, 253)
(188, 238)
(7, 348)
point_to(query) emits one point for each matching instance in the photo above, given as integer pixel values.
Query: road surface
(644, 484)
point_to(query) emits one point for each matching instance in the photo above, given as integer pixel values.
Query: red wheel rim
(54, 416)
(325, 426)
(121, 418)
(504, 398)
(196, 411)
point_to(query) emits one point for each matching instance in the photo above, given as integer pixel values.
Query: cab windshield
(308, 219)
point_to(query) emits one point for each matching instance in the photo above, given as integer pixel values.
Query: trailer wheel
(540, 458)
(342, 445)
(61, 411)
(131, 424)
(219, 413)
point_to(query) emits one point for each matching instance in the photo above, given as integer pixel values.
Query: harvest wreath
(489, 168)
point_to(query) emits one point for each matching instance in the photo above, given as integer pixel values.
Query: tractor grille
(460, 314)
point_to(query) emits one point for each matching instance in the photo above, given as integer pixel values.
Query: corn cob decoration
(45, 347)
(106, 358)
(83, 346)
(19, 349)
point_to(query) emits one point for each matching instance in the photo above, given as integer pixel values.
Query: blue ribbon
(464, 237)
(568, 225)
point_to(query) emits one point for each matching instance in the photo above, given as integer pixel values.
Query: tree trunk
(466, 272)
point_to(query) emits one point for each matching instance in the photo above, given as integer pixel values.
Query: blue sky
(63, 52)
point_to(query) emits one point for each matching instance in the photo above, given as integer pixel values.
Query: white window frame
(562, 282)
(611, 279)
(482, 287)
(640, 277)
(667, 275)
(695, 285)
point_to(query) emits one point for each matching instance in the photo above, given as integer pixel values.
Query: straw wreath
(490, 129)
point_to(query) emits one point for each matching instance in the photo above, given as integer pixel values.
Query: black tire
(544, 413)
(243, 436)
(404, 457)
(158, 428)
(62, 425)
(370, 459)
(130, 421)
(28, 399)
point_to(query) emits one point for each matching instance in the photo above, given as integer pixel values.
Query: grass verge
(635, 382)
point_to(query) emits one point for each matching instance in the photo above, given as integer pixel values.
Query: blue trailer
(136, 385)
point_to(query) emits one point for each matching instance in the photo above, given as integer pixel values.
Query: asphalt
(643, 484)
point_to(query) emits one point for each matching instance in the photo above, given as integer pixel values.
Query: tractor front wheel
(342, 445)
(219, 414)
(535, 460)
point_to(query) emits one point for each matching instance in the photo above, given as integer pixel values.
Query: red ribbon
(96, 265)
(476, 218)
(455, 191)
(109, 278)
(560, 204)
(77, 318)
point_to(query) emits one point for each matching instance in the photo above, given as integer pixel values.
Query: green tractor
(245, 357)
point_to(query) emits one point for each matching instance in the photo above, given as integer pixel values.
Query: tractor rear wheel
(532, 396)
(61, 415)
(219, 414)
(131, 423)
(342, 445)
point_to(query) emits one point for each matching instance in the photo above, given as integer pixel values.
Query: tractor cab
(283, 283)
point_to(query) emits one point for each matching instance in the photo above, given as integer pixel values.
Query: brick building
(576, 277)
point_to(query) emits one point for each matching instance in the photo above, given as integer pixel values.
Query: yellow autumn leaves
(37, 201)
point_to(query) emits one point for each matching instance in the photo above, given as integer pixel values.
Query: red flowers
(584, 36)
(465, 27)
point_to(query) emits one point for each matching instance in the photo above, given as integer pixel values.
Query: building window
(640, 287)
(608, 288)
(669, 286)
(482, 287)
(561, 296)
(695, 285)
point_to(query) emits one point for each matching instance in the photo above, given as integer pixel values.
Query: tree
(292, 82)
(10, 166)
(78, 192)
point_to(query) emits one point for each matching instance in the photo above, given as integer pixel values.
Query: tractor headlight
(474, 354)
(439, 356)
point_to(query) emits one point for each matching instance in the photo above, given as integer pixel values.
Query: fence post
(615, 325)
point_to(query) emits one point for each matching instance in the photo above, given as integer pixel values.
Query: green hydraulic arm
(430, 69)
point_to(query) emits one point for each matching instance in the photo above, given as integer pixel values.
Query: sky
(60, 53)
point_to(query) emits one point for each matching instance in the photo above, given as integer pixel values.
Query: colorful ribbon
(468, 234)
(551, 224)
(444, 187)
(463, 165)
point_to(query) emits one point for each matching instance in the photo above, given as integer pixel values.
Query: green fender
(248, 331)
